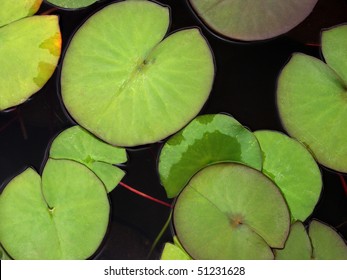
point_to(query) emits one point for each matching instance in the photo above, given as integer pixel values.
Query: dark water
(244, 87)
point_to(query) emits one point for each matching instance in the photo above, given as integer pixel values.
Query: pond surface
(244, 87)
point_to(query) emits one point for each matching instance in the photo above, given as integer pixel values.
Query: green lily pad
(146, 88)
(326, 242)
(231, 211)
(13, 10)
(252, 19)
(301, 184)
(77, 144)
(334, 45)
(72, 4)
(63, 216)
(208, 139)
(312, 101)
(298, 245)
(173, 252)
(29, 52)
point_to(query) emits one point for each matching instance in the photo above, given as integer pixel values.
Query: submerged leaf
(208, 139)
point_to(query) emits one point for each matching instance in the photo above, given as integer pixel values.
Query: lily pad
(72, 4)
(231, 211)
(29, 52)
(77, 144)
(128, 87)
(326, 242)
(312, 101)
(298, 245)
(13, 10)
(208, 139)
(173, 252)
(64, 215)
(301, 184)
(252, 19)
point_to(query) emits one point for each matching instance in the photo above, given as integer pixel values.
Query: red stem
(343, 182)
(48, 12)
(313, 44)
(145, 195)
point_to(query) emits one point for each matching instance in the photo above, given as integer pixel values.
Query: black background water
(244, 87)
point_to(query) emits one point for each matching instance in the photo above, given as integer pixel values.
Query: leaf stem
(343, 182)
(49, 11)
(145, 195)
(162, 231)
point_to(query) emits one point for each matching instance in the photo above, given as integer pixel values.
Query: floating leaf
(298, 245)
(326, 242)
(173, 252)
(231, 211)
(334, 45)
(301, 184)
(11, 10)
(252, 19)
(29, 52)
(146, 89)
(72, 4)
(77, 144)
(63, 216)
(208, 139)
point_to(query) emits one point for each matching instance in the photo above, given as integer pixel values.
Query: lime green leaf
(45, 219)
(252, 19)
(12, 10)
(173, 252)
(72, 4)
(29, 52)
(3, 254)
(147, 89)
(311, 97)
(298, 245)
(77, 144)
(301, 184)
(334, 45)
(208, 139)
(231, 211)
(326, 242)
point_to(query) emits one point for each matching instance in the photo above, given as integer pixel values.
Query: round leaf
(298, 245)
(252, 19)
(312, 103)
(208, 139)
(146, 89)
(29, 52)
(334, 45)
(47, 222)
(72, 4)
(326, 242)
(13, 10)
(77, 144)
(231, 211)
(301, 184)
